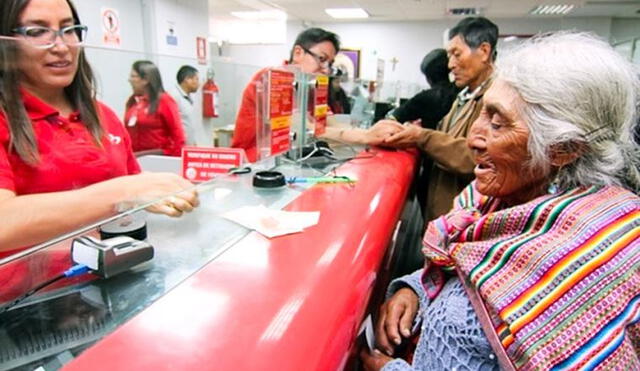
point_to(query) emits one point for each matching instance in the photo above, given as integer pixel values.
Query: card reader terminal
(109, 257)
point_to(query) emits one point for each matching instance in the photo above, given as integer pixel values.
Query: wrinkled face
(138, 84)
(498, 140)
(468, 66)
(316, 59)
(53, 68)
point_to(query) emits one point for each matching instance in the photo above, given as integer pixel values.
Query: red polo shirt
(159, 130)
(69, 158)
(244, 133)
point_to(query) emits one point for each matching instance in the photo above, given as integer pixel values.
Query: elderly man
(471, 52)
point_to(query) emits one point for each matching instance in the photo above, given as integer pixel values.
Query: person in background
(429, 106)
(537, 265)
(65, 158)
(152, 117)
(471, 51)
(188, 83)
(313, 52)
(338, 99)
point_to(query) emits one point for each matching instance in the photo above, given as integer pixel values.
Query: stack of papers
(272, 223)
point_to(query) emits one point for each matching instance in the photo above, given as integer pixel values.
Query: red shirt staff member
(313, 52)
(64, 160)
(152, 117)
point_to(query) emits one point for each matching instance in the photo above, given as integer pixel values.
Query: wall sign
(201, 50)
(321, 105)
(171, 37)
(110, 27)
(280, 109)
(200, 164)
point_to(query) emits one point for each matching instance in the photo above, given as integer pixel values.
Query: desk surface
(289, 303)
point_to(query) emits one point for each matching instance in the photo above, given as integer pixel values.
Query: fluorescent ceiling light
(261, 14)
(347, 13)
(552, 9)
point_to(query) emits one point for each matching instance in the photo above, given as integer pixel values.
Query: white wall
(623, 29)
(408, 42)
(260, 55)
(143, 31)
(113, 88)
(235, 65)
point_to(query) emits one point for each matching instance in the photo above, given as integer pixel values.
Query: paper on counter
(272, 223)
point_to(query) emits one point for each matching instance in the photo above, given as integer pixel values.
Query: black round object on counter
(268, 180)
(139, 234)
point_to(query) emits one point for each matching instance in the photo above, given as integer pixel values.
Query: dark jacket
(430, 105)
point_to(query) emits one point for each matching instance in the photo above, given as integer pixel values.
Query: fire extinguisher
(210, 96)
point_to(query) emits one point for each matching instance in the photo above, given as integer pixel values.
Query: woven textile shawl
(559, 276)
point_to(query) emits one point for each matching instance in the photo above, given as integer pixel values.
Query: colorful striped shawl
(559, 276)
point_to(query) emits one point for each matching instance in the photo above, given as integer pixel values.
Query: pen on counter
(321, 179)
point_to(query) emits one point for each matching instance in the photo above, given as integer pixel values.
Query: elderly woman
(537, 266)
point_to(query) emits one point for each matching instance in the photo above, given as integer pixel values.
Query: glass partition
(65, 318)
(369, 101)
(232, 79)
(52, 323)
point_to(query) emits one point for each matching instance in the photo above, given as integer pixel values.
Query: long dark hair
(80, 93)
(148, 71)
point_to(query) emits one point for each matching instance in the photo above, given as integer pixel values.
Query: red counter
(289, 303)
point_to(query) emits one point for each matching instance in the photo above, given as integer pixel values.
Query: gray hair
(578, 93)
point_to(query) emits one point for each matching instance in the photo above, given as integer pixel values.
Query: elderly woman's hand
(146, 187)
(396, 318)
(407, 137)
(373, 361)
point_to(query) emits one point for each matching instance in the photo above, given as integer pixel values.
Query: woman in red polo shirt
(152, 117)
(65, 159)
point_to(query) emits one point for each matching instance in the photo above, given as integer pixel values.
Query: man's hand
(408, 137)
(396, 318)
(381, 131)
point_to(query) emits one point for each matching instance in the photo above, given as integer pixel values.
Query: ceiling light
(557, 9)
(261, 14)
(347, 13)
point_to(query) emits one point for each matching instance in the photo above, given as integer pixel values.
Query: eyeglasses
(45, 37)
(322, 60)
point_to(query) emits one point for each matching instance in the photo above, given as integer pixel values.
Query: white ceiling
(415, 10)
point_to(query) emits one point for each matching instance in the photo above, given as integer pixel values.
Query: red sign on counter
(200, 164)
(321, 106)
(280, 109)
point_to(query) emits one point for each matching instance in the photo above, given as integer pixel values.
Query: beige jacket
(452, 167)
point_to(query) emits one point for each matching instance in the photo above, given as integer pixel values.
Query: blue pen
(321, 179)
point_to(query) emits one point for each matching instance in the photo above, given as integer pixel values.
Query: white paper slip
(272, 223)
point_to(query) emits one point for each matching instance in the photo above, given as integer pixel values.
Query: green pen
(322, 179)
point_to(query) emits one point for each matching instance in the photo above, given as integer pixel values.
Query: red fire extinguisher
(210, 97)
